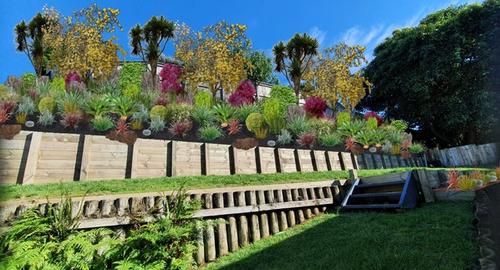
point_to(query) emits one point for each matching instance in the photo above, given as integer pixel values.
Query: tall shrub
(274, 115)
(244, 94)
(170, 78)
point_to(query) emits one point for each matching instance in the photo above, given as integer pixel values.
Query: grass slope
(436, 236)
(103, 187)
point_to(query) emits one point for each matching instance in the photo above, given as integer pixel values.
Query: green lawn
(8, 192)
(436, 236)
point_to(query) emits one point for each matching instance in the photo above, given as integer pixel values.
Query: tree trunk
(296, 88)
(154, 66)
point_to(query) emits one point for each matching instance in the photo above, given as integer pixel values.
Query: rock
(271, 143)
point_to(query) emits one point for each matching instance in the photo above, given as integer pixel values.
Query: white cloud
(318, 34)
(351, 36)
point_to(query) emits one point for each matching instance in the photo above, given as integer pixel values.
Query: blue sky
(365, 22)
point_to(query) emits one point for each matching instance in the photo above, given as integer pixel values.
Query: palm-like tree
(294, 58)
(149, 41)
(35, 49)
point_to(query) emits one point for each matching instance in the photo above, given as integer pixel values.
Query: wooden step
(376, 195)
(372, 206)
(381, 184)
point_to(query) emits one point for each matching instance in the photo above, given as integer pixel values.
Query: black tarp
(487, 214)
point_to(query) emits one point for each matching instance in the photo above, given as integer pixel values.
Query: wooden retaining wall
(236, 216)
(36, 158)
(467, 155)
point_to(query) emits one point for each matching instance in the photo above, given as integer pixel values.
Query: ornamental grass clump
(274, 115)
(330, 139)
(284, 138)
(307, 140)
(180, 128)
(157, 124)
(203, 99)
(210, 133)
(203, 116)
(298, 126)
(46, 119)
(102, 123)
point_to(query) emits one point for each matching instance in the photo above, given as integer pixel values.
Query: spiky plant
(102, 123)
(298, 126)
(210, 133)
(24, 108)
(71, 120)
(180, 128)
(46, 118)
(203, 116)
(285, 137)
(224, 112)
(156, 124)
(97, 106)
(330, 139)
(307, 139)
(4, 116)
(351, 129)
(124, 106)
(234, 127)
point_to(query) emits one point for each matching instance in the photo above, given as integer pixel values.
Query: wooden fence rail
(36, 157)
(236, 216)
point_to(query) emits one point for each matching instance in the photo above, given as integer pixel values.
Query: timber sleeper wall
(37, 157)
(236, 216)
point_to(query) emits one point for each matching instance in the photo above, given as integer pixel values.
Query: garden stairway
(394, 191)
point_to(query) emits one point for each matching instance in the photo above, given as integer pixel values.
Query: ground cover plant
(435, 236)
(49, 239)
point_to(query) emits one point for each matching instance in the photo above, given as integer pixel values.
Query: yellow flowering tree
(332, 79)
(77, 43)
(214, 56)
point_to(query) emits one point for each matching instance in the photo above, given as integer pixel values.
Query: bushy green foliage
(131, 74)
(131, 91)
(274, 114)
(416, 148)
(50, 240)
(26, 106)
(350, 129)
(224, 112)
(28, 80)
(158, 111)
(343, 117)
(157, 123)
(283, 93)
(330, 139)
(298, 126)
(285, 137)
(399, 125)
(203, 99)
(102, 123)
(255, 123)
(371, 123)
(242, 112)
(124, 106)
(47, 104)
(321, 125)
(57, 86)
(210, 133)
(203, 116)
(178, 112)
(97, 106)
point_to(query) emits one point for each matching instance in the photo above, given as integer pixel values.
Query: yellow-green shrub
(158, 111)
(47, 104)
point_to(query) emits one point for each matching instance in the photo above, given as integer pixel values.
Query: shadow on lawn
(433, 237)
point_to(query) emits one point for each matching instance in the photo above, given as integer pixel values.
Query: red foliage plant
(180, 128)
(234, 127)
(374, 115)
(244, 94)
(307, 139)
(4, 116)
(315, 106)
(72, 76)
(121, 126)
(161, 100)
(452, 179)
(71, 120)
(8, 106)
(170, 78)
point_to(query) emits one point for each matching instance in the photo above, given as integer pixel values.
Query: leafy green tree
(293, 59)
(260, 68)
(29, 39)
(149, 41)
(440, 76)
